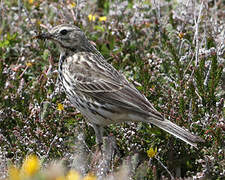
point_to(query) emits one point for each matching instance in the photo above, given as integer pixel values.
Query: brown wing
(94, 77)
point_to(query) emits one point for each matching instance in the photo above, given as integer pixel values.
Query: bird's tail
(177, 131)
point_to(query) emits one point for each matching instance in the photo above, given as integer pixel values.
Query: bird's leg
(99, 135)
(98, 154)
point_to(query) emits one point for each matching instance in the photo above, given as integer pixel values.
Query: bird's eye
(63, 32)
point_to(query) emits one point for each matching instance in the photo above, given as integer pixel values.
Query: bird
(101, 93)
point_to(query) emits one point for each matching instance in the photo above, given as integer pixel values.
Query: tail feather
(177, 131)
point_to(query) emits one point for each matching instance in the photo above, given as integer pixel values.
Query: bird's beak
(44, 36)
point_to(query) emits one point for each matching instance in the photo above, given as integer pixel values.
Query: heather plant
(173, 52)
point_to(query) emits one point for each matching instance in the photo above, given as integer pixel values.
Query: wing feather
(96, 78)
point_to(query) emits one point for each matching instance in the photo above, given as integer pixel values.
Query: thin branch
(160, 162)
(197, 21)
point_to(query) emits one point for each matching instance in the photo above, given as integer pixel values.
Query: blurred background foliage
(172, 51)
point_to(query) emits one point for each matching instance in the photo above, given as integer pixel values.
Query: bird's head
(67, 37)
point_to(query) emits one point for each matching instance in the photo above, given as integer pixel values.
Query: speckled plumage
(99, 91)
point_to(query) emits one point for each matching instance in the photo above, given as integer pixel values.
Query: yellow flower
(60, 178)
(72, 5)
(73, 175)
(31, 165)
(28, 64)
(90, 177)
(103, 18)
(60, 107)
(14, 173)
(30, 1)
(91, 17)
(181, 35)
(151, 152)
